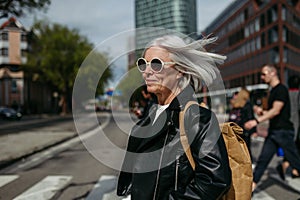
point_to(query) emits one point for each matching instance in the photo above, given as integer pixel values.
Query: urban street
(84, 166)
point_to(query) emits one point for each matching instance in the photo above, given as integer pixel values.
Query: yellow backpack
(238, 154)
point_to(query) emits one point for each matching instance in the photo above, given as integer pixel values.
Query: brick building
(256, 32)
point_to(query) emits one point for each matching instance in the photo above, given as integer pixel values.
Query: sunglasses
(156, 64)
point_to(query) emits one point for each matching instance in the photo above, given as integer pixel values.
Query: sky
(107, 22)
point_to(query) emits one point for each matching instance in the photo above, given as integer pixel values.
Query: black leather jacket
(155, 165)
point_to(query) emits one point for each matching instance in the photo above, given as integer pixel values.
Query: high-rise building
(257, 32)
(177, 15)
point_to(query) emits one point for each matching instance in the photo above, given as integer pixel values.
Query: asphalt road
(86, 167)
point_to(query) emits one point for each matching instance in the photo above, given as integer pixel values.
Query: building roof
(12, 23)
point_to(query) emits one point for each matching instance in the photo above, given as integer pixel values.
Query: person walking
(241, 112)
(281, 130)
(155, 164)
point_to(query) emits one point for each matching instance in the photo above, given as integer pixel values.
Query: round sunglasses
(156, 64)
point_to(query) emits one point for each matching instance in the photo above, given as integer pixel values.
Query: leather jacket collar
(187, 94)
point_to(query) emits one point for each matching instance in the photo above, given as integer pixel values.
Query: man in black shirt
(281, 130)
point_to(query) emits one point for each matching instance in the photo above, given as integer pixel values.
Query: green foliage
(129, 85)
(18, 8)
(56, 54)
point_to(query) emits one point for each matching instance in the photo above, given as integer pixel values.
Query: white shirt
(160, 109)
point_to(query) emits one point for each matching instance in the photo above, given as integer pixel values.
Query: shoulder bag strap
(183, 136)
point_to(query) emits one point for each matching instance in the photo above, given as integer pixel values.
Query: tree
(130, 87)
(56, 54)
(18, 8)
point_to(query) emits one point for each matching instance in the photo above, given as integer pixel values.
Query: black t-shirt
(282, 120)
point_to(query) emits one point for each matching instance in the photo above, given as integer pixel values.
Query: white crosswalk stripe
(5, 179)
(104, 189)
(45, 189)
(261, 195)
(293, 183)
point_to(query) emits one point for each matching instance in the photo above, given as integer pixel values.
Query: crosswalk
(45, 189)
(49, 186)
(104, 189)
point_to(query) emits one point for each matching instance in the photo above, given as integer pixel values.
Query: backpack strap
(183, 136)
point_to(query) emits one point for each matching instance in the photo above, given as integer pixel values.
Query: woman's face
(164, 81)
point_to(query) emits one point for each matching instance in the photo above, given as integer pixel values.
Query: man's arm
(269, 114)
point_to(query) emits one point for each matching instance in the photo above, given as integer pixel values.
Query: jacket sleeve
(212, 173)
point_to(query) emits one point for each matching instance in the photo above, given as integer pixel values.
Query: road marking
(45, 189)
(261, 195)
(105, 189)
(40, 157)
(5, 179)
(293, 183)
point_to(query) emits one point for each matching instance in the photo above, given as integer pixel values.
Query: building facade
(177, 15)
(19, 89)
(13, 45)
(256, 32)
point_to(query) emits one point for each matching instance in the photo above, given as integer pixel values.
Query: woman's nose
(148, 69)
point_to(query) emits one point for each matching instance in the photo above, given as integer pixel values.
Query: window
(14, 86)
(23, 37)
(273, 35)
(258, 46)
(4, 36)
(23, 52)
(246, 14)
(262, 20)
(4, 51)
(285, 55)
(257, 24)
(275, 55)
(283, 13)
(284, 34)
(246, 31)
(262, 41)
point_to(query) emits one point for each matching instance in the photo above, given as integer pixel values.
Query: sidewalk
(19, 139)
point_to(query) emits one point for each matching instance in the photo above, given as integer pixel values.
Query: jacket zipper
(176, 172)
(160, 162)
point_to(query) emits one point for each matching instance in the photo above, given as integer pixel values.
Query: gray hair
(191, 59)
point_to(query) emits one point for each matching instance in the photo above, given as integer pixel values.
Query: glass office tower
(178, 15)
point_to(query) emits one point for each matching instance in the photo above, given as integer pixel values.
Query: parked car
(9, 113)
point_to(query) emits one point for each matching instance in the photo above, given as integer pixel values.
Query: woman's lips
(151, 81)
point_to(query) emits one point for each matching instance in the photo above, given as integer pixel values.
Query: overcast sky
(99, 20)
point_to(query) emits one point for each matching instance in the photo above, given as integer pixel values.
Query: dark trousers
(275, 139)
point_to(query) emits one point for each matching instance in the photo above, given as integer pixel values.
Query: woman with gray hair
(155, 165)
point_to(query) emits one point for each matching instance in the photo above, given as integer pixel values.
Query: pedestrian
(241, 112)
(155, 165)
(281, 130)
(293, 83)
